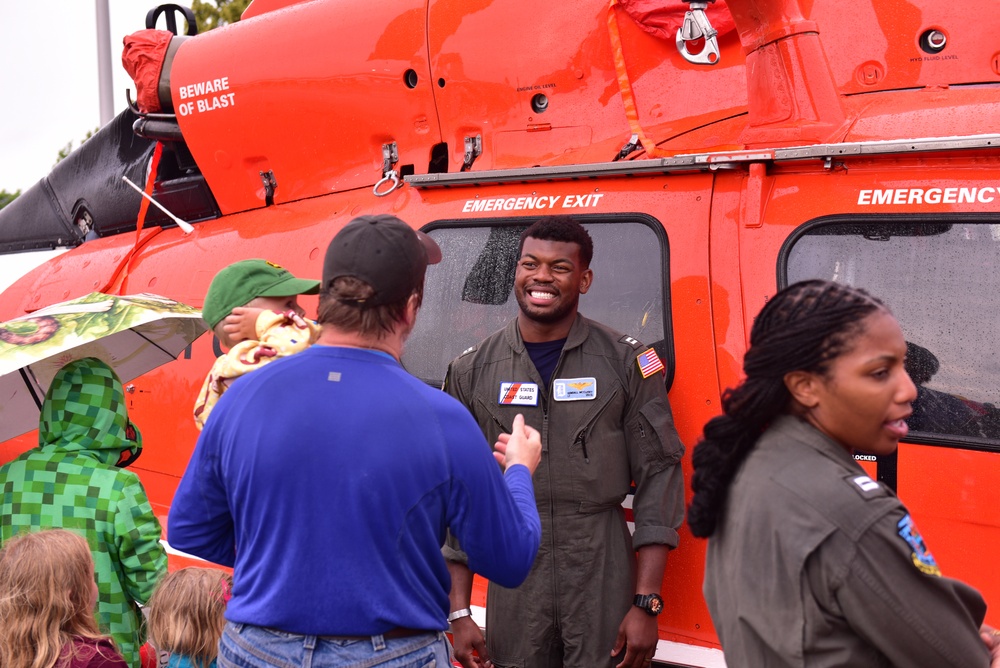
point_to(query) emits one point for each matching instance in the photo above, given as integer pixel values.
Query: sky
(48, 79)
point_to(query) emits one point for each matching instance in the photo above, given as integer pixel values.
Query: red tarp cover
(663, 18)
(143, 58)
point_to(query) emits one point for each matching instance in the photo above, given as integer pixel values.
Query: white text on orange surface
(205, 96)
(897, 196)
(532, 203)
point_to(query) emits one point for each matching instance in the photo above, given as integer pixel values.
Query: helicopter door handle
(390, 156)
(473, 149)
(391, 176)
(697, 26)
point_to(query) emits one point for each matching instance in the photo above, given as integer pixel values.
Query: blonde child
(186, 616)
(47, 599)
(276, 323)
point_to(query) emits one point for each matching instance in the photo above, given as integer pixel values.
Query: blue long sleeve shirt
(328, 480)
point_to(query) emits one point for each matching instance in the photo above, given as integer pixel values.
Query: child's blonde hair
(46, 598)
(186, 613)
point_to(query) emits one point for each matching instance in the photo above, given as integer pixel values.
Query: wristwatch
(458, 614)
(651, 604)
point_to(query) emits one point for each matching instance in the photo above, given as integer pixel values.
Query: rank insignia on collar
(631, 341)
(865, 484)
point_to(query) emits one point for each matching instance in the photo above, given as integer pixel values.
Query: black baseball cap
(385, 253)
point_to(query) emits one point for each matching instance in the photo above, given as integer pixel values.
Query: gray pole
(104, 85)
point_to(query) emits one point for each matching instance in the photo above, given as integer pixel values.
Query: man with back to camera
(599, 400)
(329, 479)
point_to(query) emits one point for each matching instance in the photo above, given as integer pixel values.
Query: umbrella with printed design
(133, 334)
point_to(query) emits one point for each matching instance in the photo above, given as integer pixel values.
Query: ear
(411, 310)
(586, 279)
(804, 386)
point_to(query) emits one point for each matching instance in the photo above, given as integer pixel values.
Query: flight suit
(603, 426)
(815, 565)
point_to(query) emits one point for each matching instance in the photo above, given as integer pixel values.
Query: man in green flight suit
(599, 400)
(75, 479)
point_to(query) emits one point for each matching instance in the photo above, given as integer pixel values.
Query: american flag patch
(649, 363)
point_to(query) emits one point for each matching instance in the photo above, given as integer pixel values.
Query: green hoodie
(71, 480)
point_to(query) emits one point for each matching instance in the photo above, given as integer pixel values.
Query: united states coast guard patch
(922, 557)
(518, 394)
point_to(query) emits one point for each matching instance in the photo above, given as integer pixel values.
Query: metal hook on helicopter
(697, 26)
(390, 156)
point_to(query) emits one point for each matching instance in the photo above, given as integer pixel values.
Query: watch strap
(651, 604)
(458, 614)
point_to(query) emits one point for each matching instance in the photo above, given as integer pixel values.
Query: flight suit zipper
(582, 440)
(504, 429)
(581, 435)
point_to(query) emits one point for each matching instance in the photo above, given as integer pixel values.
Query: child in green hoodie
(75, 479)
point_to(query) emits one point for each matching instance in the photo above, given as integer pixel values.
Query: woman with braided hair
(811, 562)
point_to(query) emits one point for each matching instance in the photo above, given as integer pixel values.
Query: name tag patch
(518, 394)
(574, 389)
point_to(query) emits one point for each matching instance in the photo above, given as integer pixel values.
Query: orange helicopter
(716, 152)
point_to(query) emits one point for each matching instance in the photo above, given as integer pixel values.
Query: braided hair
(803, 328)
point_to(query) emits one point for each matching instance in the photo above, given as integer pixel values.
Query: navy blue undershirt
(545, 356)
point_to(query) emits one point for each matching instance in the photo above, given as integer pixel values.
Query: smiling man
(598, 398)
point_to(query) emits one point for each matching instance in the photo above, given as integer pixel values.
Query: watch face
(656, 605)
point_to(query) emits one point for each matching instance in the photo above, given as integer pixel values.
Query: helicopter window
(468, 295)
(940, 280)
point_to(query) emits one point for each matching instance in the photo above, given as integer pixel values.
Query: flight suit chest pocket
(652, 429)
(598, 460)
(588, 422)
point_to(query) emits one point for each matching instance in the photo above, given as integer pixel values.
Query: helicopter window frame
(664, 347)
(949, 440)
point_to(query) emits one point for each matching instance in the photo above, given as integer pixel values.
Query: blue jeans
(246, 646)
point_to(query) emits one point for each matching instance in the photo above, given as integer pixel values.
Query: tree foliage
(216, 13)
(209, 14)
(8, 197)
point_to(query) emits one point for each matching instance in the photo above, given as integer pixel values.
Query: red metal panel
(311, 92)
(495, 57)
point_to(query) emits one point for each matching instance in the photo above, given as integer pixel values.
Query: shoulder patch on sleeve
(922, 558)
(649, 363)
(630, 341)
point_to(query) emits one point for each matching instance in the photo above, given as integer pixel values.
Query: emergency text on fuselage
(532, 203)
(897, 196)
(203, 96)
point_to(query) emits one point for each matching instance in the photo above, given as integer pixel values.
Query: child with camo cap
(267, 294)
